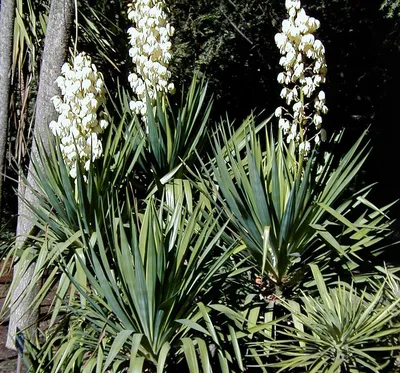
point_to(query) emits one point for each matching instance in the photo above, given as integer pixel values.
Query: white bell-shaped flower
(303, 62)
(82, 89)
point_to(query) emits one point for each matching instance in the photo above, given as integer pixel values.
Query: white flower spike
(150, 52)
(303, 60)
(81, 119)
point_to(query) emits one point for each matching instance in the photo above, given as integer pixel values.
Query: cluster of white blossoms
(80, 121)
(303, 60)
(150, 52)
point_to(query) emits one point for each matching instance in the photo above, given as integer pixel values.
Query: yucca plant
(290, 211)
(77, 240)
(133, 159)
(65, 215)
(340, 330)
(150, 279)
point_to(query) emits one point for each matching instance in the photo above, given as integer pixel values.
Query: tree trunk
(7, 15)
(54, 55)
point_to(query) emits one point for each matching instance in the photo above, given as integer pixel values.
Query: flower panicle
(80, 120)
(303, 62)
(150, 51)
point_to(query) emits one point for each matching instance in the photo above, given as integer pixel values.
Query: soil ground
(8, 358)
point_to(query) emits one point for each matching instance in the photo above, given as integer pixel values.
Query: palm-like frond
(29, 31)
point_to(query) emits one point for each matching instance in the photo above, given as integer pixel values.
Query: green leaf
(190, 355)
(116, 347)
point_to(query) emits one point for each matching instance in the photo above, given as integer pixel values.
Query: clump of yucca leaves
(339, 329)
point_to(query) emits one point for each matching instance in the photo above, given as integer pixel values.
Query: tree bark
(54, 55)
(7, 15)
